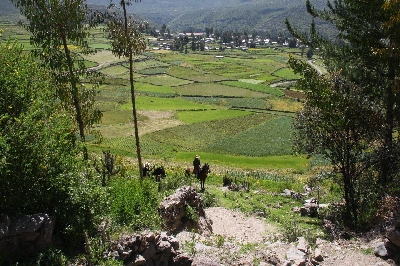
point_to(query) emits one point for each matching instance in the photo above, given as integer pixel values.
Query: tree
(127, 41)
(360, 57)
(336, 123)
(310, 53)
(292, 43)
(39, 160)
(60, 23)
(193, 44)
(163, 30)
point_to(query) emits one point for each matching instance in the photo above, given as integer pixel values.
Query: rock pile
(25, 236)
(310, 208)
(148, 249)
(390, 246)
(293, 194)
(174, 211)
(302, 254)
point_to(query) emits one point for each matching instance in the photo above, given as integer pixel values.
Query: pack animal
(189, 171)
(204, 171)
(159, 173)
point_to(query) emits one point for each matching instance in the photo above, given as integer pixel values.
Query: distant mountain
(8, 11)
(195, 15)
(249, 15)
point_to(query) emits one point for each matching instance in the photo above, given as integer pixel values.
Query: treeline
(352, 114)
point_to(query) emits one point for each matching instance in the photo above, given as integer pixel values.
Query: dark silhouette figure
(159, 173)
(204, 171)
(196, 165)
(146, 169)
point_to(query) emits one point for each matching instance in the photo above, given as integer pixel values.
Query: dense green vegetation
(234, 107)
(237, 127)
(40, 160)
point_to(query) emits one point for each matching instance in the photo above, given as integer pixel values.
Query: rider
(196, 165)
(146, 169)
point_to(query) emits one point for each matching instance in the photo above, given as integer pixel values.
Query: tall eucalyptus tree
(127, 41)
(60, 29)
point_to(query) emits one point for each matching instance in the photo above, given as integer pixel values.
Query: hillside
(225, 14)
(8, 11)
(253, 15)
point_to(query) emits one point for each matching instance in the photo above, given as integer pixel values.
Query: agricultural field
(227, 109)
(232, 107)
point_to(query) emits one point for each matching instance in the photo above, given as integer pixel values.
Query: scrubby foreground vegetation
(236, 108)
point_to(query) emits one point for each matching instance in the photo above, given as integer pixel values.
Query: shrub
(134, 202)
(40, 160)
(209, 199)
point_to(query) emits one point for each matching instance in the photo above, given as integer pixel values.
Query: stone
(318, 255)
(139, 260)
(28, 223)
(182, 259)
(125, 254)
(150, 251)
(143, 252)
(302, 244)
(150, 237)
(163, 246)
(174, 242)
(391, 248)
(295, 255)
(380, 249)
(393, 235)
(172, 211)
(25, 236)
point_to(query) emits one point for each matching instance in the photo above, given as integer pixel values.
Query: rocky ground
(240, 240)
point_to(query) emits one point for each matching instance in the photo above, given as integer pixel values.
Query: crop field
(228, 106)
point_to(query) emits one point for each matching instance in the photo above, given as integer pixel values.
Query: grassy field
(227, 109)
(235, 111)
(222, 104)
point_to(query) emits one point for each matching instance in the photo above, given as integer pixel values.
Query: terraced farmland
(219, 107)
(220, 104)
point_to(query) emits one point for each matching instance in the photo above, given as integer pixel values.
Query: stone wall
(25, 236)
(148, 249)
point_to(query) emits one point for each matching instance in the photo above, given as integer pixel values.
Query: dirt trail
(238, 231)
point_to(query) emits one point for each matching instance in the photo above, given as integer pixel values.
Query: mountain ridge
(223, 15)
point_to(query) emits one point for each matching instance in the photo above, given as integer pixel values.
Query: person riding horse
(196, 165)
(146, 169)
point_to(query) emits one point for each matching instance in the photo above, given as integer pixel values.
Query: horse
(189, 171)
(204, 171)
(158, 173)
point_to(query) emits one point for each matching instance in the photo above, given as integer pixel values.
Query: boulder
(310, 208)
(25, 236)
(393, 234)
(173, 211)
(380, 249)
(148, 249)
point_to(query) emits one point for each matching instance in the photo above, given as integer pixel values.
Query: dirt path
(158, 120)
(241, 240)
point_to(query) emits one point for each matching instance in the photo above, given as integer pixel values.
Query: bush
(209, 199)
(39, 160)
(134, 203)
